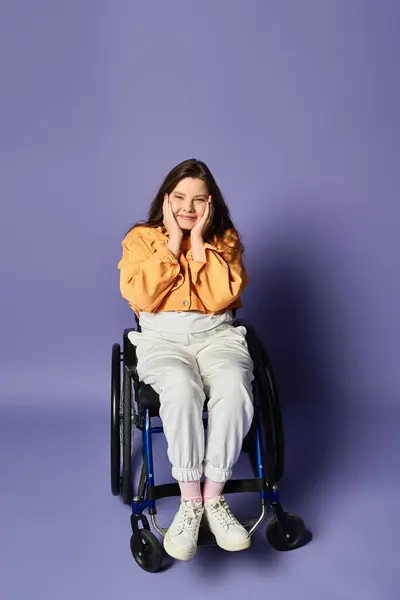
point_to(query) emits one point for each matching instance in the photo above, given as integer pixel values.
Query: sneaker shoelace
(189, 517)
(222, 512)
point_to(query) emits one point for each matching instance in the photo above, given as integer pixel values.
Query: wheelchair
(134, 405)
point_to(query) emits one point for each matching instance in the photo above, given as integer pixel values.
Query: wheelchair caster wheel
(297, 534)
(147, 550)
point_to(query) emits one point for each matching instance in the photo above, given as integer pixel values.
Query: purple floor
(295, 107)
(64, 536)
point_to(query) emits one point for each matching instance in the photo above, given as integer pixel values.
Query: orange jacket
(152, 279)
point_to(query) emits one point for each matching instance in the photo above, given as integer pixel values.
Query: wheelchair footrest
(206, 538)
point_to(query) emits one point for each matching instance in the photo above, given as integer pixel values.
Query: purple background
(294, 105)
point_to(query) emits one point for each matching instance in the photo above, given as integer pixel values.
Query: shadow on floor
(289, 315)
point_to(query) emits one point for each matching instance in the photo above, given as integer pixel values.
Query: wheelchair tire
(277, 421)
(298, 534)
(151, 556)
(127, 431)
(271, 420)
(115, 463)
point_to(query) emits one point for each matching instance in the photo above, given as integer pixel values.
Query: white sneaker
(180, 541)
(229, 533)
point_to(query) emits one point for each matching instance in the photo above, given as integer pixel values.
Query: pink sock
(190, 490)
(212, 489)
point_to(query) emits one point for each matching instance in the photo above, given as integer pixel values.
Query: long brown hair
(195, 169)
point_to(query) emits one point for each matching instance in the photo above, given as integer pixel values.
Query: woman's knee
(233, 388)
(181, 388)
(234, 379)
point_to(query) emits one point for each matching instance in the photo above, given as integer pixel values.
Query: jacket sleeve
(147, 272)
(221, 279)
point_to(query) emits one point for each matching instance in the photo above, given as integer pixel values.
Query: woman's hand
(173, 228)
(170, 221)
(200, 228)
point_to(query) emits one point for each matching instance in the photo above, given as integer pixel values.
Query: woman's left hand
(204, 222)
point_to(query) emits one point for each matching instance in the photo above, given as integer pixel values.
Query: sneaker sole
(234, 546)
(176, 552)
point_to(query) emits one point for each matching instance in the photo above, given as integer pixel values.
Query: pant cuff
(215, 474)
(187, 474)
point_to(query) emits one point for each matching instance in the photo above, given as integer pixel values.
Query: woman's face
(189, 201)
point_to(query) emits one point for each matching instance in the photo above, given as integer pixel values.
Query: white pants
(184, 369)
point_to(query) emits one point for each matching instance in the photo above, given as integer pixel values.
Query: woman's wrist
(198, 250)
(174, 244)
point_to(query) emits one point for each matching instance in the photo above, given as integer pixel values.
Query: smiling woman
(189, 201)
(182, 274)
(189, 186)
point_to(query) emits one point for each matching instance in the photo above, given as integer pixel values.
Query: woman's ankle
(190, 490)
(212, 489)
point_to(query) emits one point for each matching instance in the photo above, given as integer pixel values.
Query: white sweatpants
(184, 369)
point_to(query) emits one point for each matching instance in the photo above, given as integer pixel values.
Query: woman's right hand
(173, 228)
(170, 222)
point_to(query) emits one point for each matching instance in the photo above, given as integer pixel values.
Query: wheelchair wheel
(127, 432)
(269, 412)
(277, 419)
(115, 420)
(271, 421)
(150, 556)
(297, 535)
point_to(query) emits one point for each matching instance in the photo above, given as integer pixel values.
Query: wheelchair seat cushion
(148, 397)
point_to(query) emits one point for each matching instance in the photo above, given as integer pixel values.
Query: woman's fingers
(165, 205)
(209, 210)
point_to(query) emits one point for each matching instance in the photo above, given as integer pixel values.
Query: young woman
(182, 274)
